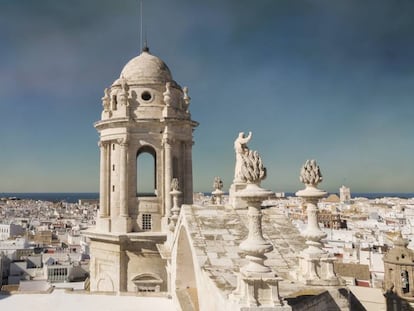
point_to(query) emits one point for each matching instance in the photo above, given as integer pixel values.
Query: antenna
(141, 37)
(146, 49)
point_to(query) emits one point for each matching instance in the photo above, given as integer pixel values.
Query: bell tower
(145, 112)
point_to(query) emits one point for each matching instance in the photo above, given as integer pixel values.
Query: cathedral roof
(146, 68)
(217, 232)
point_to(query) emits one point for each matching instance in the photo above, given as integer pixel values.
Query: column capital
(102, 143)
(167, 141)
(123, 142)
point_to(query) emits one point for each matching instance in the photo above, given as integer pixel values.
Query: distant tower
(144, 112)
(344, 194)
(399, 269)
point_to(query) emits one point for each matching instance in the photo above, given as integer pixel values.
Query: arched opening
(146, 172)
(185, 282)
(405, 282)
(175, 168)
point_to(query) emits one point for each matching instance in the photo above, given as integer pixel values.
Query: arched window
(405, 283)
(146, 172)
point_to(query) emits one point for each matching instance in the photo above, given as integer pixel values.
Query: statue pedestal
(217, 195)
(257, 284)
(315, 264)
(317, 269)
(258, 290)
(236, 201)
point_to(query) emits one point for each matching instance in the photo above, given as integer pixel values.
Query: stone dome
(146, 68)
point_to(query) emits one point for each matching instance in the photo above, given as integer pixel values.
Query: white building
(8, 231)
(345, 194)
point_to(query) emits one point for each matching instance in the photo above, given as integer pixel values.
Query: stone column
(175, 211)
(188, 199)
(167, 173)
(103, 204)
(255, 246)
(313, 232)
(123, 178)
(108, 179)
(103, 222)
(257, 283)
(316, 266)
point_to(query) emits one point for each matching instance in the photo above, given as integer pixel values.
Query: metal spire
(141, 27)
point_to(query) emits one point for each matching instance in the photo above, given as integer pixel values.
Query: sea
(69, 197)
(74, 197)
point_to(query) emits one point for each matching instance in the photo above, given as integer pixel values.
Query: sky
(322, 79)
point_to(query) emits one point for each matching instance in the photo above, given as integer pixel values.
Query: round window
(146, 96)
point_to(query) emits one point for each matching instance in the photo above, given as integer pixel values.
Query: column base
(122, 224)
(164, 224)
(317, 270)
(258, 290)
(103, 224)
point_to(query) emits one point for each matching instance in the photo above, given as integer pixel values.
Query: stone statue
(218, 183)
(186, 98)
(240, 147)
(310, 174)
(252, 169)
(124, 93)
(167, 94)
(106, 100)
(175, 184)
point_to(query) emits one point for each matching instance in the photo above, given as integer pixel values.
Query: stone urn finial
(310, 174)
(252, 169)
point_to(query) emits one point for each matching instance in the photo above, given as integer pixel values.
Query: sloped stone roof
(217, 231)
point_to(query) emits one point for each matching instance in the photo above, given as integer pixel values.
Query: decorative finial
(252, 170)
(310, 174)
